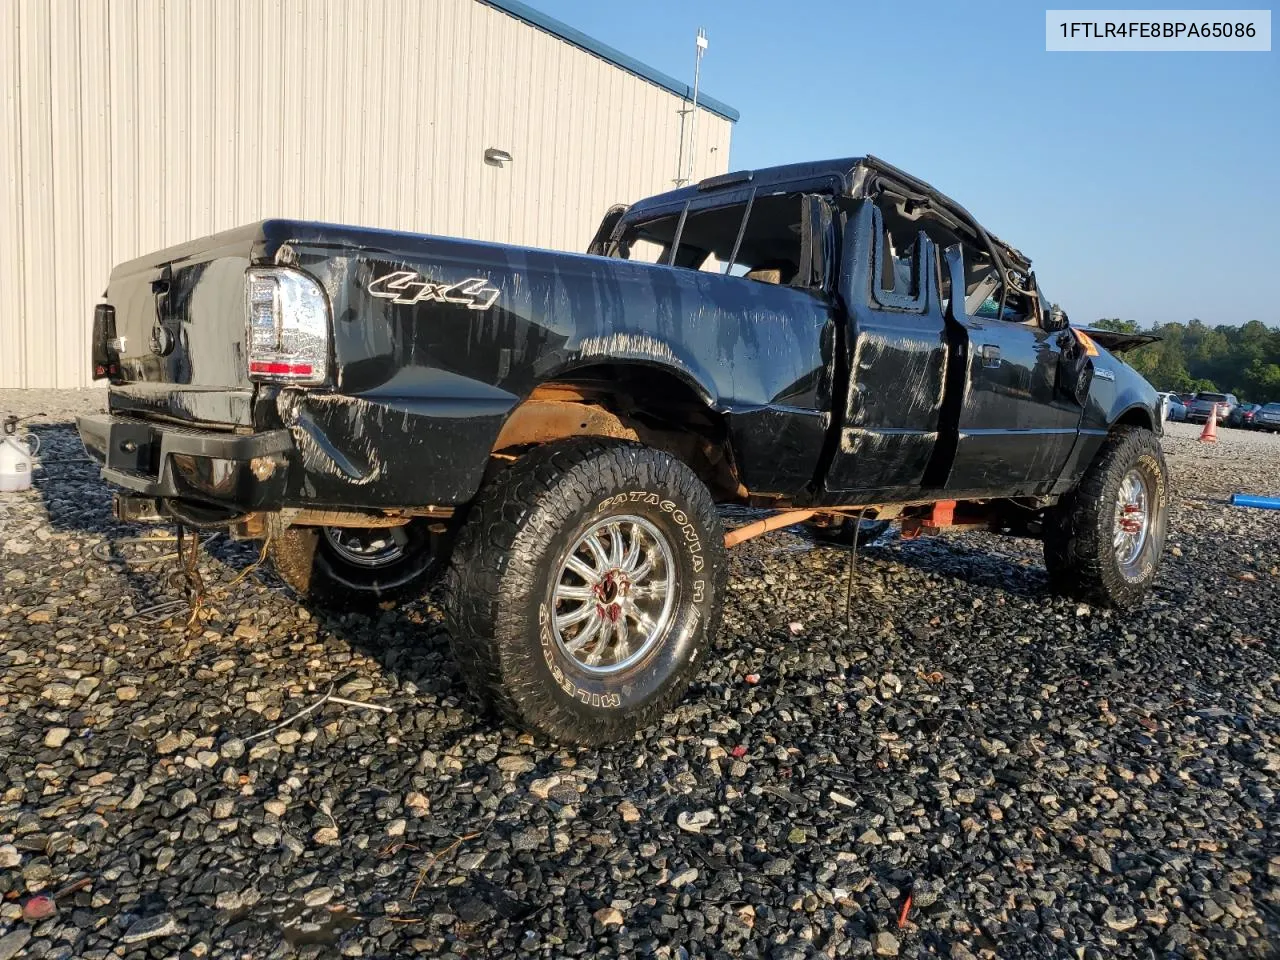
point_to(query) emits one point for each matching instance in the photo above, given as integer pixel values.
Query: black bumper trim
(139, 455)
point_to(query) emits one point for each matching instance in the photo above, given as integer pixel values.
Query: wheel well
(629, 402)
(1135, 417)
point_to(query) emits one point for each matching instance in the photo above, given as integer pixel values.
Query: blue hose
(1248, 500)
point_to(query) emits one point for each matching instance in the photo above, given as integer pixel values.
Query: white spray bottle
(15, 457)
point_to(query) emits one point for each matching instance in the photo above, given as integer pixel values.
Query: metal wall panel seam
(36, 184)
(95, 123)
(14, 296)
(64, 297)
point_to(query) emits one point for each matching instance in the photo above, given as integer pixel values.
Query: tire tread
(495, 558)
(1077, 535)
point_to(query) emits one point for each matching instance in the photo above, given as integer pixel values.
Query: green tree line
(1195, 356)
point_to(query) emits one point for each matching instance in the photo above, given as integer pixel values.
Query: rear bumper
(328, 450)
(237, 471)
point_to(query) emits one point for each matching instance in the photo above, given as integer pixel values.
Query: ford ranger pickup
(835, 342)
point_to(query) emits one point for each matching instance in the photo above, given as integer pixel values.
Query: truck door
(896, 351)
(1016, 427)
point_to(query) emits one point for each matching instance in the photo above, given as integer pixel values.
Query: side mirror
(1055, 318)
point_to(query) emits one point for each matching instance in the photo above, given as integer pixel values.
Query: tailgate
(179, 329)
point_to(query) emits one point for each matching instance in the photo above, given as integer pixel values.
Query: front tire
(1104, 540)
(585, 587)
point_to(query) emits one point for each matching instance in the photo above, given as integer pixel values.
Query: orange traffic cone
(1210, 432)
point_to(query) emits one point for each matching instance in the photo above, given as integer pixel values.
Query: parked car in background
(1172, 406)
(1198, 411)
(1242, 416)
(1268, 418)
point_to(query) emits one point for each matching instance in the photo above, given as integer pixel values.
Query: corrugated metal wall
(130, 125)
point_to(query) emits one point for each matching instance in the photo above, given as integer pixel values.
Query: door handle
(990, 355)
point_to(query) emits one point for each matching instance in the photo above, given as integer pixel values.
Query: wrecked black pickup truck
(836, 342)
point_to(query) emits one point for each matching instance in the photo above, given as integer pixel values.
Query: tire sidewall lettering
(692, 539)
(1152, 551)
(694, 595)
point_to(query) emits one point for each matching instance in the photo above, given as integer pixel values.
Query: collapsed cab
(833, 342)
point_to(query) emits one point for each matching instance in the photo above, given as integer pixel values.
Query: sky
(1144, 186)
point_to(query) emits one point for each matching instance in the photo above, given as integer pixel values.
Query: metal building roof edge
(558, 28)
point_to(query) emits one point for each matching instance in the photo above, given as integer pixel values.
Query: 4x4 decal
(405, 286)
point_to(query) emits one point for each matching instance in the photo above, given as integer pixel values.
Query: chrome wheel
(613, 596)
(1135, 516)
(367, 546)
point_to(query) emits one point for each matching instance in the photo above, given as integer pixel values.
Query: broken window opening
(767, 247)
(986, 296)
(648, 242)
(760, 239)
(896, 260)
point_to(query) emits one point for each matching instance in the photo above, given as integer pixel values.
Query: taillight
(106, 358)
(287, 326)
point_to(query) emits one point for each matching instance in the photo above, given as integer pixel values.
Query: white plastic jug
(15, 457)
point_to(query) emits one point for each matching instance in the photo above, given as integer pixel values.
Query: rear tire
(525, 587)
(344, 568)
(1103, 541)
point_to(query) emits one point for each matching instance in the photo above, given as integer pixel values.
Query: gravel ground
(967, 767)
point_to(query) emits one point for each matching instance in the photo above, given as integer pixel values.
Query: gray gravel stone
(56, 737)
(184, 798)
(1101, 858)
(524, 840)
(517, 764)
(13, 942)
(150, 928)
(1119, 921)
(1086, 783)
(135, 798)
(684, 877)
(318, 896)
(885, 944)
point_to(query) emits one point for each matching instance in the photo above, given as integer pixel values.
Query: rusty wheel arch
(627, 403)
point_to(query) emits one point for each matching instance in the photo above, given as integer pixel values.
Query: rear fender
(651, 405)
